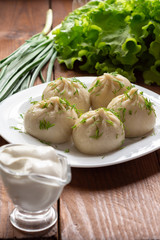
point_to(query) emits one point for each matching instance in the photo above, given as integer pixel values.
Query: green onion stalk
(20, 69)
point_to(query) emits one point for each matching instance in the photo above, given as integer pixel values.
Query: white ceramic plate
(13, 107)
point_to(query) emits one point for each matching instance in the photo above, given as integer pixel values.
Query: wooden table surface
(115, 202)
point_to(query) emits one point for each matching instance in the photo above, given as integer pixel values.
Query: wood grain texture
(19, 21)
(116, 202)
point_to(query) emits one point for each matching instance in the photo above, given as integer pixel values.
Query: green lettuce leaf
(112, 35)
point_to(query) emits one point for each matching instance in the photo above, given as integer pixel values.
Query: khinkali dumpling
(97, 132)
(136, 112)
(71, 89)
(50, 120)
(104, 88)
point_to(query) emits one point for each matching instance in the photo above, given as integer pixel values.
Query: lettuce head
(113, 35)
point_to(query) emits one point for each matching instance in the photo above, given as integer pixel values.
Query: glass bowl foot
(33, 222)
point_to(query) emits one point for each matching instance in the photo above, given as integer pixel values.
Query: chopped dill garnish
(112, 111)
(122, 142)
(95, 85)
(130, 87)
(114, 91)
(44, 104)
(78, 81)
(52, 85)
(57, 89)
(89, 90)
(15, 128)
(21, 115)
(65, 103)
(67, 150)
(83, 120)
(76, 91)
(119, 82)
(126, 94)
(136, 92)
(78, 111)
(114, 73)
(123, 110)
(149, 105)
(63, 92)
(44, 142)
(97, 134)
(43, 124)
(109, 122)
(122, 147)
(62, 101)
(32, 102)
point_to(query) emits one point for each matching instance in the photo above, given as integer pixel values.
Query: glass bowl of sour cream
(34, 177)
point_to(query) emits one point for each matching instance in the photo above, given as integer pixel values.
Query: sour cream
(26, 171)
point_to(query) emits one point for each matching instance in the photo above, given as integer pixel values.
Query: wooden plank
(116, 202)
(19, 21)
